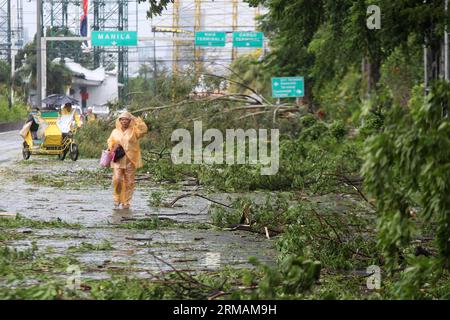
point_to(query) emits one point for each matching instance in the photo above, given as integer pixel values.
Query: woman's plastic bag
(107, 157)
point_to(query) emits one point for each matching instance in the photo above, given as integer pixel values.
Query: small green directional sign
(210, 39)
(114, 38)
(288, 87)
(248, 39)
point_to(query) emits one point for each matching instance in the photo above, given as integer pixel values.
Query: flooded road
(105, 240)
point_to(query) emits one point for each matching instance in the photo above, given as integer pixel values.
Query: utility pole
(11, 81)
(446, 72)
(154, 64)
(10, 98)
(425, 61)
(234, 23)
(197, 27)
(38, 54)
(176, 48)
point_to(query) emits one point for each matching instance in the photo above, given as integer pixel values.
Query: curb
(4, 127)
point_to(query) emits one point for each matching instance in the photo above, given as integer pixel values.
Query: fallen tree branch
(171, 204)
(352, 183)
(246, 227)
(138, 239)
(328, 224)
(222, 293)
(184, 276)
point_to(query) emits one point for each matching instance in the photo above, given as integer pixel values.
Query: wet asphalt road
(10, 146)
(91, 207)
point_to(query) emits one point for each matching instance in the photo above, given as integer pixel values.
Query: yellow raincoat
(124, 170)
(91, 117)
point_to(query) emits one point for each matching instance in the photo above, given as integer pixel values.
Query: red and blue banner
(84, 20)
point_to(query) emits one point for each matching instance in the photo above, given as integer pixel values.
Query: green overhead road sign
(248, 39)
(210, 39)
(289, 87)
(114, 38)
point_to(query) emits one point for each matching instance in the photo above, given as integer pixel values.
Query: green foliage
(87, 247)
(156, 198)
(340, 235)
(415, 279)
(18, 111)
(372, 123)
(338, 130)
(146, 224)
(162, 169)
(157, 7)
(407, 169)
(64, 49)
(249, 72)
(58, 75)
(340, 98)
(224, 218)
(92, 138)
(156, 86)
(310, 161)
(5, 72)
(401, 71)
(341, 241)
(22, 222)
(293, 276)
(127, 288)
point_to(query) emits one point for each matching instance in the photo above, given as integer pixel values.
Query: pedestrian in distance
(90, 115)
(124, 143)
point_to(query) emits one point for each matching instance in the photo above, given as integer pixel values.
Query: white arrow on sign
(276, 84)
(299, 91)
(114, 43)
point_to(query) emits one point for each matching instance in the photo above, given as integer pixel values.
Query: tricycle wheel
(73, 153)
(62, 155)
(26, 151)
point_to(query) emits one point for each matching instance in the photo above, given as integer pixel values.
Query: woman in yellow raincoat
(129, 129)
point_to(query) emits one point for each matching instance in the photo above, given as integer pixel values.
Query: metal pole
(44, 67)
(11, 88)
(38, 54)
(8, 18)
(154, 65)
(197, 26)
(9, 53)
(425, 68)
(234, 23)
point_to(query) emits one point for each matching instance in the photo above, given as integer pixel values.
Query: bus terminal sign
(210, 39)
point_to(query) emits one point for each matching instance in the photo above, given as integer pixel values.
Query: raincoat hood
(129, 139)
(126, 115)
